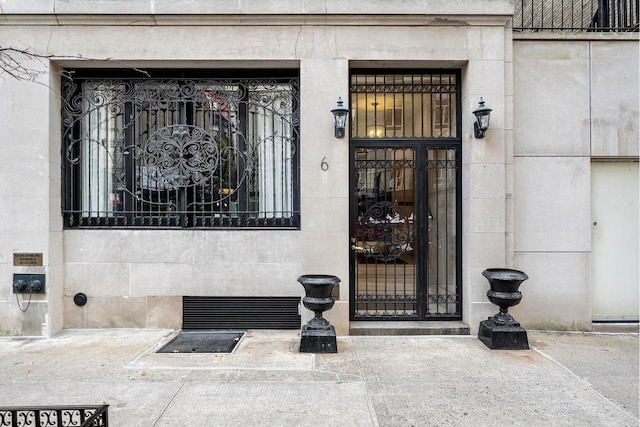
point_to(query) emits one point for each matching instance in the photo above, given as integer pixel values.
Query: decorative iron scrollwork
(180, 152)
(181, 155)
(52, 416)
(385, 232)
(385, 164)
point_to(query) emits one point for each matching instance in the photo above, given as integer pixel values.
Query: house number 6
(324, 165)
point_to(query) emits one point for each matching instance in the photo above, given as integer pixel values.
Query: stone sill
(404, 328)
(616, 328)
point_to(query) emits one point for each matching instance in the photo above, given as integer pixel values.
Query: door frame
(421, 147)
(424, 143)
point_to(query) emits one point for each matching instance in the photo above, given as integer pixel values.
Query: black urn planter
(318, 336)
(502, 331)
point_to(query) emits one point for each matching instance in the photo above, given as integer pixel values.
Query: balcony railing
(58, 416)
(576, 15)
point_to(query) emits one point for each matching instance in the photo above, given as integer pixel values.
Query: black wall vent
(240, 312)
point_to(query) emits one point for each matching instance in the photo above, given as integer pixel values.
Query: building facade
(174, 163)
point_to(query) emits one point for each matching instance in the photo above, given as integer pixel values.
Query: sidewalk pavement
(565, 379)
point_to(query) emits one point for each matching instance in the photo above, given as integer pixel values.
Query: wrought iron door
(405, 197)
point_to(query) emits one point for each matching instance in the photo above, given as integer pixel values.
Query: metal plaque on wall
(27, 260)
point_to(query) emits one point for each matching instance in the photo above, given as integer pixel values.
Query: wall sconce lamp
(482, 114)
(340, 114)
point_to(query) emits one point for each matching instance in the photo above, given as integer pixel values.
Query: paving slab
(259, 403)
(461, 382)
(608, 363)
(564, 379)
(131, 403)
(75, 354)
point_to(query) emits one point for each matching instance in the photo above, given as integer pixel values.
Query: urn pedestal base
(318, 340)
(318, 336)
(502, 331)
(502, 337)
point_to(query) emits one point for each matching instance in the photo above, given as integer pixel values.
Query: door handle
(357, 248)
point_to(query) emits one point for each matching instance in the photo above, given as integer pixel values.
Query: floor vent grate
(203, 342)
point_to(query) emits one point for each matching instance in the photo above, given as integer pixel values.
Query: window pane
(99, 195)
(441, 166)
(272, 149)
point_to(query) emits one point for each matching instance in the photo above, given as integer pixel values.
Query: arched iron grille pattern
(181, 152)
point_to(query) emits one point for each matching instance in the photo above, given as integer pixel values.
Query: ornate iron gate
(405, 233)
(405, 198)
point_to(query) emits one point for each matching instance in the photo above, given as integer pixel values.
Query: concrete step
(616, 327)
(408, 328)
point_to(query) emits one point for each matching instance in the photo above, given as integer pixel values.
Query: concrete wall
(525, 186)
(135, 278)
(29, 190)
(575, 100)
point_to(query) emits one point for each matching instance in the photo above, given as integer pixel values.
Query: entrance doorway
(405, 197)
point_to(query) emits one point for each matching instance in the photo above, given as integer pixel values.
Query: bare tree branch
(12, 63)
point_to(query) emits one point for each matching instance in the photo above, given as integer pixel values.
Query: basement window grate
(206, 312)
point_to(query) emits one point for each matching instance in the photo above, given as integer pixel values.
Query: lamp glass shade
(340, 114)
(483, 121)
(482, 113)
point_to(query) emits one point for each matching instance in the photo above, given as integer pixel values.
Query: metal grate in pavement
(203, 342)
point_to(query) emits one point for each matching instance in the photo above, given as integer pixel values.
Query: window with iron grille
(179, 152)
(403, 105)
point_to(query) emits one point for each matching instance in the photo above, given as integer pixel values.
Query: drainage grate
(203, 342)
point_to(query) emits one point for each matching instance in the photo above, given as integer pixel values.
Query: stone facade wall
(135, 278)
(575, 100)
